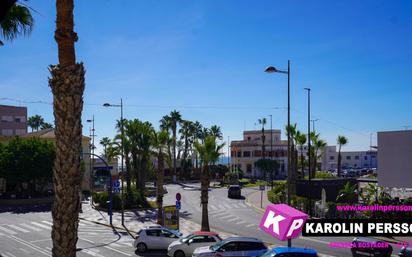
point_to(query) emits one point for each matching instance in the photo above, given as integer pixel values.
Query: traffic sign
(261, 187)
(116, 183)
(178, 196)
(178, 205)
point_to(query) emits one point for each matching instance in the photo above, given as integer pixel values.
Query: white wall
(395, 158)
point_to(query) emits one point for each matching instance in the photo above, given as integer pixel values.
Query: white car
(233, 246)
(155, 237)
(186, 245)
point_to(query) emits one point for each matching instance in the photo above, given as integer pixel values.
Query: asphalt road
(234, 216)
(27, 232)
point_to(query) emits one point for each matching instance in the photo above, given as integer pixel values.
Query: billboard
(394, 159)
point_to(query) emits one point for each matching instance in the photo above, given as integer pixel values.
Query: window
(246, 154)
(6, 132)
(231, 246)
(20, 119)
(20, 131)
(366, 158)
(251, 246)
(233, 153)
(165, 233)
(198, 239)
(249, 167)
(347, 157)
(153, 232)
(248, 138)
(356, 157)
(239, 154)
(331, 157)
(258, 153)
(209, 239)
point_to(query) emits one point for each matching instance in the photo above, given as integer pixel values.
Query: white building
(244, 153)
(350, 159)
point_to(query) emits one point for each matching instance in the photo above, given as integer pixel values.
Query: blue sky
(206, 59)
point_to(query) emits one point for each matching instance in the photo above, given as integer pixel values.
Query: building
(350, 159)
(395, 154)
(13, 120)
(244, 153)
(48, 135)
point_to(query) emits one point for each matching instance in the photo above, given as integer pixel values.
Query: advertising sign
(171, 217)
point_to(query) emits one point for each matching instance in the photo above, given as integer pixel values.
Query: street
(25, 231)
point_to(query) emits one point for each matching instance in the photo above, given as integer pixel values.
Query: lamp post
(272, 69)
(313, 124)
(122, 148)
(92, 135)
(309, 154)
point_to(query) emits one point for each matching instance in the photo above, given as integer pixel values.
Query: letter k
(273, 220)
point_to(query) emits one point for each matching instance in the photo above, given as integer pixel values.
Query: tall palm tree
(46, 125)
(316, 151)
(209, 152)
(119, 139)
(216, 132)
(170, 122)
(105, 142)
(15, 20)
(342, 140)
(67, 85)
(186, 132)
(263, 123)
(35, 122)
(159, 143)
(197, 134)
(301, 140)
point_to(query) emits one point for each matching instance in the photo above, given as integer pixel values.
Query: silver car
(233, 246)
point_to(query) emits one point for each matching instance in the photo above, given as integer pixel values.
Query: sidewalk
(134, 220)
(253, 200)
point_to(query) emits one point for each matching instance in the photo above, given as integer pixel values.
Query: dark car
(406, 251)
(362, 246)
(290, 252)
(234, 191)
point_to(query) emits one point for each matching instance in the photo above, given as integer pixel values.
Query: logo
(282, 221)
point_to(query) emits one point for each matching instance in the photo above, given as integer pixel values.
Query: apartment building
(13, 120)
(245, 152)
(350, 159)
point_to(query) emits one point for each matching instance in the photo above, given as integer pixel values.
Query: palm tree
(342, 140)
(105, 142)
(186, 132)
(35, 122)
(301, 140)
(15, 20)
(67, 85)
(216, 132)
(119, 139)
(197, 134)
(170, 122)
(46, 125)
(159, 143)
(291, 130)
(209, 152)
(263, 122)
(348, 194)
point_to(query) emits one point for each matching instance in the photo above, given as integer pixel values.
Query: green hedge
(136, 200)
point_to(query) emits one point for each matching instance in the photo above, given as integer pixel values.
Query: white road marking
(227, 206)
(91, 253)
(124, 253)
(226, 217)
(235, 218)
(19, 229)
(11, 232)
(41, 240)
(213, 208)
(34, 247)
(240, 222)
(47, 222)
(90, 241)
(250, 225)
(24, 250)
(3, 255)
(40, 225)
(314, 240)
(30, 227)
(9, 253)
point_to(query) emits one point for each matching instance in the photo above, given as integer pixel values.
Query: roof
(243, 238)
(293, 250)
(205, 233)
(45, 134)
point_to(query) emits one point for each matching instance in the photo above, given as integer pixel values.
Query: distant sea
(224, 160)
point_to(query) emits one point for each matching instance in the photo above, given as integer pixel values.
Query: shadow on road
(152, 253)
(26, 208)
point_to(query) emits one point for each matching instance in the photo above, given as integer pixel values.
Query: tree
(46, 125)
(267, 165)
(67, 85)
(348, 194)
(187, 131)
(301, 140)
(35, 122)
(209, 152)
(263, 122)
(170, 122)
(291, 131)
(316, 151)
(159, 142)
(15, 20)
(341, 142)
(105, 142)
(216, 132)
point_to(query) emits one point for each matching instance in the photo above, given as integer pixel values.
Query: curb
(247, 201)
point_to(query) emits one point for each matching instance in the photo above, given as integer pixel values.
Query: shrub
(136, 200)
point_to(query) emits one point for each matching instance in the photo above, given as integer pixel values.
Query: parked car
(186, 245)
(233, 246)
(155, 237)
(290, 252)
(361, 250)
(234, 191)
(406, 251)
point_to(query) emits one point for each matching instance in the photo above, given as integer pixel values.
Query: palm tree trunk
(143, 171)
(160, 178)
(339, 163)
(67, 84)
(204, 197)
(174, 156)
(302, 162)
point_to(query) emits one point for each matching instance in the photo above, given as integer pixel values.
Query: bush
(278, 193)
(136, 200)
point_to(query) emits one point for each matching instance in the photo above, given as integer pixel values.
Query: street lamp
(309, 155)
(313, 124)
(272, 69)
(122, 148)
(91, 166)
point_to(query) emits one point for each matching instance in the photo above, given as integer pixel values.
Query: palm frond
(18, 21)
